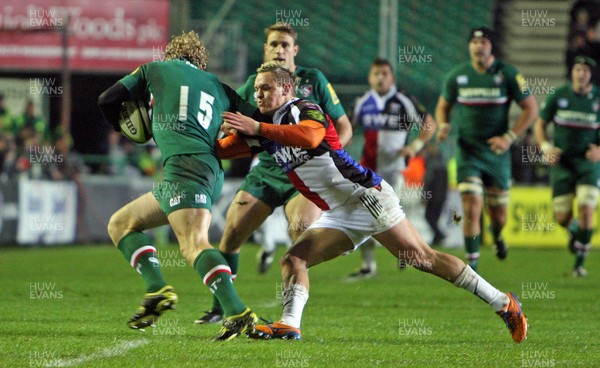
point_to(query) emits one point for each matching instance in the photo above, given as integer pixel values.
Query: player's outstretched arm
(110, 103)
(232, 147)
(306, 134)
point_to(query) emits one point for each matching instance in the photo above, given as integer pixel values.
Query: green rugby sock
(582, 245)
(496, 233)
(138, 250)
(472, 244)
(216, 274)
(573, 227)
(233, 260)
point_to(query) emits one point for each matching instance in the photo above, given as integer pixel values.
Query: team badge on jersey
(562, 103)
(305, 90)
(499, 78)
(462, 79)
(394, 108)
(596, 106)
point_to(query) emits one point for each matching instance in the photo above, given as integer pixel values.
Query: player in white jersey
(387, 117)
(356, 202)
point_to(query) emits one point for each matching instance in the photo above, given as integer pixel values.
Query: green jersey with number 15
(188, 104)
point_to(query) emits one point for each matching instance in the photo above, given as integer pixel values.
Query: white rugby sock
(294, 299)
(471, 281)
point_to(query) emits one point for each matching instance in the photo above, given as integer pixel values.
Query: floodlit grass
(68, 306)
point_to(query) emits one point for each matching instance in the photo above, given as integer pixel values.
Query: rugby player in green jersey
(574, 155)
(186, 118)
(481, 91)
(267, 187)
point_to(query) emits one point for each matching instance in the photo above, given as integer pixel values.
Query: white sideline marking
(116, 350)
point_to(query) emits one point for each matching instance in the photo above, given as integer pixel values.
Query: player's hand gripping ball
(135, 122)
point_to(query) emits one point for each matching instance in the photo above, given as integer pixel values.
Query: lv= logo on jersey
(288, 158)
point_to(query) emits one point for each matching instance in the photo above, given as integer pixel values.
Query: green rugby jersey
(188, 104)
(313, 86)
(481, 100)
(576, 119)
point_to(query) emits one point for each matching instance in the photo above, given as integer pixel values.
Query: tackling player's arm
(306, 134)
(232, 147)
(110, 102)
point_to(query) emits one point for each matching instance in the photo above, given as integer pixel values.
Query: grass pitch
(68, 306)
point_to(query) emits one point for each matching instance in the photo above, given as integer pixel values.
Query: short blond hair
(282, 27)
(189, 47)
(282, 74)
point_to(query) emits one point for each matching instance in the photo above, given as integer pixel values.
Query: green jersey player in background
(267, 187)
(574, 155)
(482, 90)
(186, 117)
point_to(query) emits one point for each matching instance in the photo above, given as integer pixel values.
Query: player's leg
(497, 179)
(300, 213)
(245, 214)
(403, 241)
(471, 191)
(191, 229)
(563, 182)
(125, 228)
(496, 203)
(199, 180)
(314, 246)
(587, 199)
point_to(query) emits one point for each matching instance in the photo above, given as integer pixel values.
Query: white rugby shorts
(376, 210)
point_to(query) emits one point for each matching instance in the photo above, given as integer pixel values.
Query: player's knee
(562, 218)
(291, 261)
(116, 228)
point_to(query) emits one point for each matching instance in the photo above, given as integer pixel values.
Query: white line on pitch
(116, 350)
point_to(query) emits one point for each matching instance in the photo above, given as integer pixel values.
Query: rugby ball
(134, 121)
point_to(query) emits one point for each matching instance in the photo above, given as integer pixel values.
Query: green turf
(68, 307)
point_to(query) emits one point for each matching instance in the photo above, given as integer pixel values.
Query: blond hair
(189, 47)
(282, 74)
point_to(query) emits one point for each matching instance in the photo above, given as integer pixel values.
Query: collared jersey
(482, 100)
